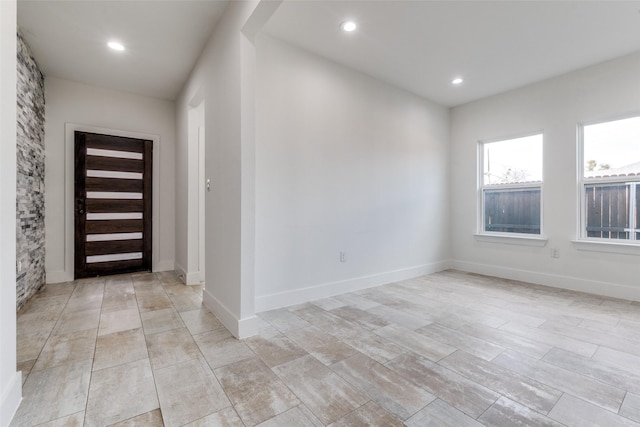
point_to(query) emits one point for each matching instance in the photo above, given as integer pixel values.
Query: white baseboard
(240, 328)
(10, 399)
(299, 296)
(614, 290)
(192, 278)
(182, 275)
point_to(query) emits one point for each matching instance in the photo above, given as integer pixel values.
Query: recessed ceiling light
(115, 46)
(457, 81)
(349, 26)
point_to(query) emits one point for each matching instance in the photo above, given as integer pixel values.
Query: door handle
(81, 212)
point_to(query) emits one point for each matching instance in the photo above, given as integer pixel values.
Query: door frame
(69, 249)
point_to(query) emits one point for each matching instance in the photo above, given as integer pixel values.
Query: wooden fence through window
(512, 210)
(612, 211)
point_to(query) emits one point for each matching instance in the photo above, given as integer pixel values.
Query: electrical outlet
(343, 256)
(555, 253)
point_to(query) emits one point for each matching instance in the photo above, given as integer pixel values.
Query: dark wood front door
(112, 205)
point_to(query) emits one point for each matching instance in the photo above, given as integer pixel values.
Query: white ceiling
(163, 40)
(495, 45)
(416, 45)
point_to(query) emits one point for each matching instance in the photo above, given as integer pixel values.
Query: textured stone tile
(168, 277)
(507, 412)
(399, 318)
(63, 349)
(188, 391)
(171, 347)
(148, 419)
(518, 387)
(323, 319)
(370, 344)
(199, 321)
(255, 391)
(30, 344)
(441, 414)
(324, 347)
(620, 359)
(121, 392)
(292, 417)
(74, 420)
(224, 418)
(117, 279)
(467, 396)
(367, 415)
(36, 321)
(631, 407)
(83, 303)
(141, 278)
(54, 393)
(578, 385)
(390, 390)
(549, 337)
(595, 337)
(119, 348)
(328, 303)
(87, 295)
(220, 352)
(572, 411)
(275, 350)
(153, 301)
(119, 320)
(363, 318)
(327, 395)
(507, 340)
(420, 344)
(357, 301)
(161, 321)
(47, 302)
(184, 299)
(56, 289)
(461, 341)
(119, 296)
(150, 288)
(283, 320)
(77, 321)
(602, 371)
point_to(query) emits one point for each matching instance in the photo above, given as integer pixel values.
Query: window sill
(519, 239)
(604, 246)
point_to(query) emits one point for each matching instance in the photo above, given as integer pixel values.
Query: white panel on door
(114, 153)
(113, 236)
(114, 257)
(126, 215)
(113, 174)
(113, 195)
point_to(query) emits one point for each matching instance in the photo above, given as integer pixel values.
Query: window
(511, 185)
(610, 182)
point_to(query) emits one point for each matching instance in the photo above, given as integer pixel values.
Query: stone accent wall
(30, 274)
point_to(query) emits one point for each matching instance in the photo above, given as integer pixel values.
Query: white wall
(554, 106)
(346, 163)
(91, 106)
(223, 79)
(10, 380)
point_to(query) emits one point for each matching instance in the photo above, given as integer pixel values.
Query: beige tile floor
(449, 349)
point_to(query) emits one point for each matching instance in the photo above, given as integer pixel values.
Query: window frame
(583, 181)
(516, 238)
